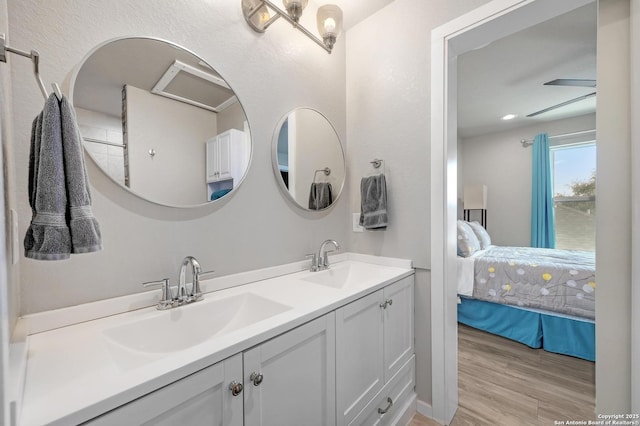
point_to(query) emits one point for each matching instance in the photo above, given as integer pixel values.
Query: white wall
(499, 161)
(231, 117)
(635, 224)
(613, 223)
(143, 241)
(178, 133)
(388, 109)
(5, 304)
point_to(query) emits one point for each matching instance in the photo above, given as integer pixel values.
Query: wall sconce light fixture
(260, 14)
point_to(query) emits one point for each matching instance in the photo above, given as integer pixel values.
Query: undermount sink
(180, 328)
(348, 274)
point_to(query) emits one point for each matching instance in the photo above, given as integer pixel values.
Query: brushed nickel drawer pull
(384, 410)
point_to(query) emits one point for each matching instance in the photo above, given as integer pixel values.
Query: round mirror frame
(72, 88)
(276, 166)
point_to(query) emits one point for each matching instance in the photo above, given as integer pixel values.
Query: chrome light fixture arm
(257, 11)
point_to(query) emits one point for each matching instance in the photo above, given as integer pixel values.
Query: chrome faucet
(322, 259)
(168, 300)
(195, 293)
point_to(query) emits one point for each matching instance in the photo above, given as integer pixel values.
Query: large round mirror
(308, 159)
(161, 122)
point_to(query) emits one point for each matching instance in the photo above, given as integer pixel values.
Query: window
(574, 184)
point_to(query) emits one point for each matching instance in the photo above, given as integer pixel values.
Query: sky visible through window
(571, 164)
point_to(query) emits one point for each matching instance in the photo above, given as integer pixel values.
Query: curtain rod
(525, 143)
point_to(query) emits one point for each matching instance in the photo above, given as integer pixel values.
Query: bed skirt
(554, 333)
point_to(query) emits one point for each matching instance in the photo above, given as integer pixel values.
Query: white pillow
(467, 241)
(481, 234)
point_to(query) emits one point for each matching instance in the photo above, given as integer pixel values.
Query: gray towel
(320, 195)
(85, 231)
(373, 202)
(48, 236)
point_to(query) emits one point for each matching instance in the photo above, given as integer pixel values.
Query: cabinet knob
(384, 410)
(386, 303)
(256, 378)
(235, 388)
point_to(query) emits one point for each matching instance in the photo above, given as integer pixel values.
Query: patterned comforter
(554, 280)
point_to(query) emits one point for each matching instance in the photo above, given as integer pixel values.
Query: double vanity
(322, 342)
(278, 346)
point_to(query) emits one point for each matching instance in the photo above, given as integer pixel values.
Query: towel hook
(34, 55)
(326, 171)
(377, 162)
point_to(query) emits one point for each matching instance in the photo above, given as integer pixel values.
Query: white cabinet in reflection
(227, 159)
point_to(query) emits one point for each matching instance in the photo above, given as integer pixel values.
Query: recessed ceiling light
(509, 116)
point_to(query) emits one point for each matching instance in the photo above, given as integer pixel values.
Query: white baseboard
(425, 409)
(406, 413)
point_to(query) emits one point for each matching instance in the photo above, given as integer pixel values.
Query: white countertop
(74, 374)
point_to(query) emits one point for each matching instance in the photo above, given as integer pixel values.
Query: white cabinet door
(398, 326)
(225, 159)
(359, 355)
(203, 398)
(296, 382)
(226, 156)
(212, 160)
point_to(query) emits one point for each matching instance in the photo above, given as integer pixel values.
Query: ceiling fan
(575, 82)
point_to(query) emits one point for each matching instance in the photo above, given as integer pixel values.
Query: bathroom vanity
(279, 346)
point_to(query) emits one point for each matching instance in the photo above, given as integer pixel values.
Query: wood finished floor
(505, 383)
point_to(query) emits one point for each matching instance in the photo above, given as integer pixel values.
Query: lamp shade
(294, 8)
(475, 197)
(329, 19)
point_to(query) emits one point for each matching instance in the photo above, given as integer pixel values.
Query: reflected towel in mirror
(320, 195)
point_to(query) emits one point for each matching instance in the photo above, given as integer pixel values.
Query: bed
(544, 298)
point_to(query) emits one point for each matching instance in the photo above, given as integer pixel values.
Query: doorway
(484, 25)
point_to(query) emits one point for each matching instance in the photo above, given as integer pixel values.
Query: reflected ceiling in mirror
(161, 122)
(308, 159)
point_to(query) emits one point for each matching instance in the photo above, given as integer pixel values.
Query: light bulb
(330, 25)
(329, 20)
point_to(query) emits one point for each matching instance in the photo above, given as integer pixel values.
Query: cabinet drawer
(391, 398)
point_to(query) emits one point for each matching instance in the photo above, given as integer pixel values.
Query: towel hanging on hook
(34, 55)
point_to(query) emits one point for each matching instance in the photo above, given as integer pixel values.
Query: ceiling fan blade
(578, 82)
(570, 101)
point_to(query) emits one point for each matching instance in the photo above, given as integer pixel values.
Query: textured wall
(499, 161)
(256, 227)
(388, 108)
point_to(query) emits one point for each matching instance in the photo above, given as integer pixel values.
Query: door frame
(490, 22)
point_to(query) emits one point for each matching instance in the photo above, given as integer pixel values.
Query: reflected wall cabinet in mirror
(157, 119)
(308, 159)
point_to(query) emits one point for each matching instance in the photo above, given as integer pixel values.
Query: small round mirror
(308, 159)
(161, 122)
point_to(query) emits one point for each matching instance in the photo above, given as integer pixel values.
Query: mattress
(560, 281)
